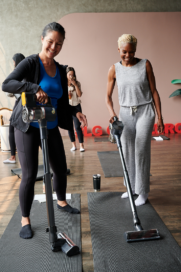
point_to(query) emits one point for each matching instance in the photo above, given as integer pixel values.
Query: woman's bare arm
(77, 87)
(110, 88)
(156, 97)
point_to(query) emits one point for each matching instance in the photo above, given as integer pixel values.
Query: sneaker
(9, 161)
(73, 149)
(82, 149)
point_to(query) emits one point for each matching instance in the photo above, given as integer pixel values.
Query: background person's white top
(133, 85)
(75, 100)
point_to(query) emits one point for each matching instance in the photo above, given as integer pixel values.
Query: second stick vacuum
(116, 129)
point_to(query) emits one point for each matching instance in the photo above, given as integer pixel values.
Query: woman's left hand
(160, 125)
(82, 119)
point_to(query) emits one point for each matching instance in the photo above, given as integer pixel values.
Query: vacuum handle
(115, 118)
(128, 184)
(47, 179)
(30, 101)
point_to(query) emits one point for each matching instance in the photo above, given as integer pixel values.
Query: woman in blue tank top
(137, 92)
(44, 77)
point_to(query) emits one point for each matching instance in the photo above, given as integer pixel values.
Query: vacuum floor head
(142, 235)
(69, 248)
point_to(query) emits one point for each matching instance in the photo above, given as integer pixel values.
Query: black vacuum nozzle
(69, 248)
(142, 235)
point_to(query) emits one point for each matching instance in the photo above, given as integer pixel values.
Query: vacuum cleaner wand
(116, 129)
(42, 113)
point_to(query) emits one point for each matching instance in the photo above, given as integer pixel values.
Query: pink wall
(91, 48)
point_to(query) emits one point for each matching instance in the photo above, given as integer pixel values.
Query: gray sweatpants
(136, 143)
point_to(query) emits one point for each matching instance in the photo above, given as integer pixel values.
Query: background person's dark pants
(12, 140)
(28, 146)
(77, 127)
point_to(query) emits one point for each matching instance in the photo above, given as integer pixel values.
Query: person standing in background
(17, 58)
(74, 92)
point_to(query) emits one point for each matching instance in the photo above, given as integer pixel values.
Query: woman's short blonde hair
(127, 38)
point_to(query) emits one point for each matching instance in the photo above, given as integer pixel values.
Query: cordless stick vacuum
(116, 129)
(42, 113)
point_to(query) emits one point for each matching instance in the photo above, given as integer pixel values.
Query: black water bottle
(97, 182)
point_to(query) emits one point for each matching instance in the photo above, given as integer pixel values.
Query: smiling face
(52, 44)
(127, 52)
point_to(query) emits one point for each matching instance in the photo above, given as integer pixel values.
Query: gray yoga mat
(101, 139)
(39, 176)
(35, 255)
(110, 216)
(111, 163)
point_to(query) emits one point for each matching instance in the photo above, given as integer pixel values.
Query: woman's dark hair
(68, 69)
(53, 27)
(18, 58)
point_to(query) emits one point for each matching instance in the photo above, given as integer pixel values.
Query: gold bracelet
(160, 118)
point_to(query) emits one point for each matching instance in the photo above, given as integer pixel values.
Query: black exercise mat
(101, 139)
(111, 163)
(40, 174)
(35, 255)
(110, 216)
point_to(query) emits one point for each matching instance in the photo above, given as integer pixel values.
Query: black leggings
(77, 127)
(12, 140)
(28, 146)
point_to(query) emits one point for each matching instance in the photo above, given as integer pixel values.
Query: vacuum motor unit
(33, 112)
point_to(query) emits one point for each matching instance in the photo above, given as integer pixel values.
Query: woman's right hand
(111, 120)
(160, 126)
(41, 97)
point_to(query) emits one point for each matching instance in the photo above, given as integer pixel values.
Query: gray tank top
(133, 85)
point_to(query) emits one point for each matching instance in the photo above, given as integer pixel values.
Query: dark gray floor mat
(35, 255)
(40, 174)
(111, 163)
(101, 139)
(110, 216)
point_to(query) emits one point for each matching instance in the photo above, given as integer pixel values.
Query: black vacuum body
(42, 114)
(116, 129)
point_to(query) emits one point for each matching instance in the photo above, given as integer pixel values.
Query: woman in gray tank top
(137, 93)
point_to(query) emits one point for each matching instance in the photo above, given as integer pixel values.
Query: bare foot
(12, 158)
(62, 203)
(74, 144)
(25, 221)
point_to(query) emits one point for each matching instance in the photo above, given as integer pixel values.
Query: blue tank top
(53, 87)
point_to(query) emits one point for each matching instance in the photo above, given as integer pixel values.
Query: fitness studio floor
(165, 195)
